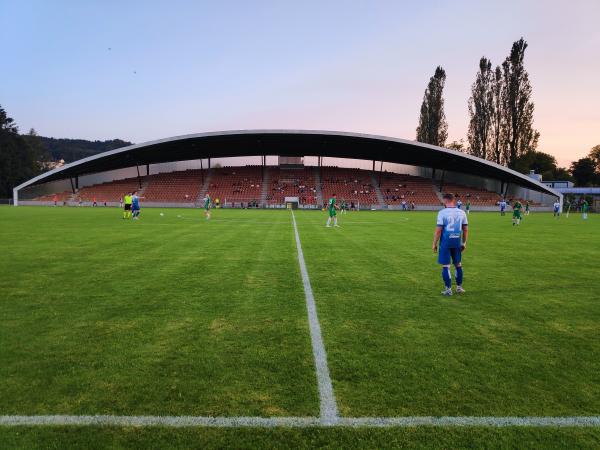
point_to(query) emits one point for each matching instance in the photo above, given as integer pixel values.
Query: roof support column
(202, 171)
(139, 177)
(72, 185)
(15, 197)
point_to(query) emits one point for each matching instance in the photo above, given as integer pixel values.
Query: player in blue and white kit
(502, 207)
(135, 206)
(451, 234)
(459, 204)
(556, 209)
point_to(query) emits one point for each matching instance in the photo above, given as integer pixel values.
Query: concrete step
(375, 183)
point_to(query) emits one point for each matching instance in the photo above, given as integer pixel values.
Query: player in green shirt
(468, 207)
(207, 206)
(584, 209)
(343, 207)
(331, 207)
(516, 218)
(527, 208)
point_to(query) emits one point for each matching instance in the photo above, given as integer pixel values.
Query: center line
(329, 411)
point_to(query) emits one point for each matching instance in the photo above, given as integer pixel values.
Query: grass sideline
(174, 315)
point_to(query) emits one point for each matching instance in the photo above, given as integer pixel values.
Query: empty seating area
(352, 185)
(59, 197)
(297, 182)
(108, 192)
(397, 188)
(233, 186)
(176, 187)
(236, 184)
(477, 197)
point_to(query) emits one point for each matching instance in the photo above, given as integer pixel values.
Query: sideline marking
(300, 422)
(328, 406)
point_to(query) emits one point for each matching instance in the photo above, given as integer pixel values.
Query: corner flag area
(266, 328)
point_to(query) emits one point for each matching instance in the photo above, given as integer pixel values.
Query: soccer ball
(161, 214)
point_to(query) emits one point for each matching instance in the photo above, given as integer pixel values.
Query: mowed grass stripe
(163, 316)
(523, 341)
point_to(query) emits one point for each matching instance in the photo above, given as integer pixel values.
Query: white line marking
(299, 422)
(329, 411)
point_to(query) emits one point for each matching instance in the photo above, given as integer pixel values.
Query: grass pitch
(174, 315)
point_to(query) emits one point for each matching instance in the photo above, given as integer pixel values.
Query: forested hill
(73, 149)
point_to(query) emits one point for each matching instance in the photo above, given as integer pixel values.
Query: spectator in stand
(94, 203)
(55, 198)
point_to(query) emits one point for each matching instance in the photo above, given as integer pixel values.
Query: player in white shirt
(556, 209)
(451, 234)
(502, 207)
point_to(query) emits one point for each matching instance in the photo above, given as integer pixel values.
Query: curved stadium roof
(289, 143)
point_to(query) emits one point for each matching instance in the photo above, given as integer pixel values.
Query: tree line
(501, 121)
(24, 156)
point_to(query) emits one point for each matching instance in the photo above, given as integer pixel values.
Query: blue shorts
(135, 208)
(445, 254)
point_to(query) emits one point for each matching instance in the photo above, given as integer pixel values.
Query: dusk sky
(143, 70)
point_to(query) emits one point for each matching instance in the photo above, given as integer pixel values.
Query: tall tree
(433, 127)
(584, 171)
(518, 107)
(17, 160)
(540, 162)
(595, 155)
(497, 118)
(481, 111)
(38, 149)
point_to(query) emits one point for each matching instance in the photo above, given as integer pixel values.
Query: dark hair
(448, 197)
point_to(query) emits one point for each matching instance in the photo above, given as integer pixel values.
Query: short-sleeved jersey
(451, 220)
(127, 199)
(468, 205)
(135, 201)
(502, 204)
(207, 202)
(517, 206)
(458, 204)
(585, 207)
(332, 203)
(556, 206)
(527, 206)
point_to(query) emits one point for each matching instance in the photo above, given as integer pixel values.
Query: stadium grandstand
(263, 168)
